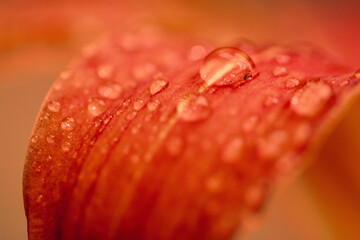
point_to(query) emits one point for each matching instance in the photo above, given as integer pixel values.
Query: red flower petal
(116, 154)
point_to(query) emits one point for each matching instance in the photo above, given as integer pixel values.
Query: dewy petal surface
(111, 159)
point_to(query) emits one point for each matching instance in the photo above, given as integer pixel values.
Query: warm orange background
(38, 39)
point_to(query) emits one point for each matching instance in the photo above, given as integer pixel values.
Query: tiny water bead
(197, 52)
(50, 138)
(357, 74)
(139, 104)
(213, 184)
(34, 139)
(174, 146)
(143, 71)
(250, 123)
(110, 90)
(105, 71)
(96, 107)
(270, 101)
(157, 86)
(279, 71)
(153, 105)
(193, 108)
(232, 149)
(65, 146)
(272, 145)
(292, 83)
(54, 106)
(68, 123)
(227, 66)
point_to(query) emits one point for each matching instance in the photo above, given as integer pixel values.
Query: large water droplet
(227, 66)
(232, 149)
(157, 86)
(96, 107)
(110, 90)
(357, 74)
(310, 100)
(54, 106)
(68, 123)
(193, 108)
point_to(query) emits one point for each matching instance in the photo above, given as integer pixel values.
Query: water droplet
(283, 58)
(309, 100)
(135, 129)
(34, 139)
(279, 71)
(65, 75)
(96, 107)
(193, 108)
(130, 42)
(344, 83)
(174, 146)
(46, 116)
(143, 71)
(153, 105)
(302, 134)
(271, 146)
(157, 86)
(54, 106)
(105, 71)
(135, 158)
(131, 115)
(292, 83)
(39, 198)
(110, 90)
(255, 195)
(213, 184)
(287, 163)
(231, 150)
(227, 66)
(65, 146)
(357, 74)
(270, 101)
(139, 104)
(68, 123)
(164, 117)
(50, 138)
(250, 123)
(197, 52)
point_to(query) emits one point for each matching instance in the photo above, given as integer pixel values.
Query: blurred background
(39, 38)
